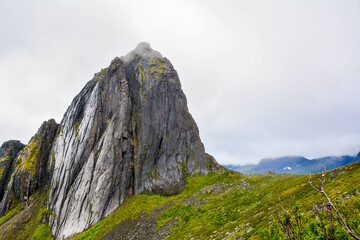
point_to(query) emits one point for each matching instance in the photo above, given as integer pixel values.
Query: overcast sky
(262, 78)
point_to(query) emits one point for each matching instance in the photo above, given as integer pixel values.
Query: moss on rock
(30, 169)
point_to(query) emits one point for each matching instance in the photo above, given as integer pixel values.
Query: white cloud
(263, 78)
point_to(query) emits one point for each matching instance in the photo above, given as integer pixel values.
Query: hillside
(226, 205)
(221, 205)
(294, 164)
(127, 162)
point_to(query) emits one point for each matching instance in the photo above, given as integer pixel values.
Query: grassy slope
(228, 204)
(222, 205)
(24, 222)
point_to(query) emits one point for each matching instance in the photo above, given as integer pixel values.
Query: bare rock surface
(30, 170)
(8, 152)
(127, 132)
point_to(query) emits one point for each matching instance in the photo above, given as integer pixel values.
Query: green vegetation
(101, 75)
(42, 232)
(158, 66)
(227, 205)
(25, 222)
(325, 221)
(30, 155)
(10, 214)
(39, 230)
(130, 209)
(2, 170)
(76, 127)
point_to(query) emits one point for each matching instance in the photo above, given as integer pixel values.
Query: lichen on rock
(127, 132)
(30, 167)
(8, 152)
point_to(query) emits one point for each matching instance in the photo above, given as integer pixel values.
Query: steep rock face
(31, 164)
(30, 169)
(8, 152)
(127, 132)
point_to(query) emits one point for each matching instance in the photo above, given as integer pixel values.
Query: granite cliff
(126, 143)
(29, 171)
(127, 132)
(8, 152)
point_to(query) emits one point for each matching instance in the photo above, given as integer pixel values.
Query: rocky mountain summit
(127, 132)
(126, 143)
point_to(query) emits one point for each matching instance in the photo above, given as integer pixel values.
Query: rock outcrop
(8, 152)
(31, 163)
(127, 132)
(30, 170)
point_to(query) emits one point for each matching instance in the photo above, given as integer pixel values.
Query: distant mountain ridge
(295, 164)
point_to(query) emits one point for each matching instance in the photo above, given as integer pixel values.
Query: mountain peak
(143, 46)
(144, 50)
(126, 133)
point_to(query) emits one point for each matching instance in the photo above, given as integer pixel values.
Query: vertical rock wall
(8, 152)
(30, 170)
(127, 132)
